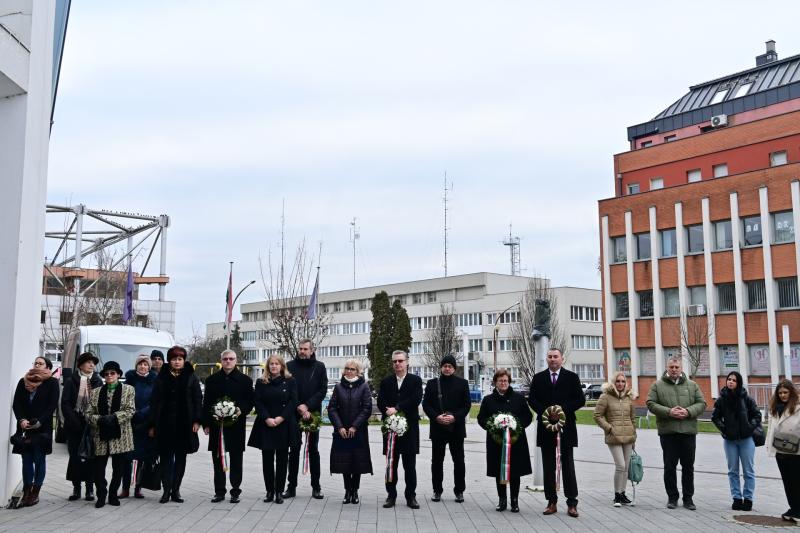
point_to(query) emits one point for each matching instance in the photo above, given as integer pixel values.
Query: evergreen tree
(380, 335)
(401, 330)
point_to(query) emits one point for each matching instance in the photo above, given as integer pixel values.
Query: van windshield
(124, 354)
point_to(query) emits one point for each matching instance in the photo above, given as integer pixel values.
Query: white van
(122, 344)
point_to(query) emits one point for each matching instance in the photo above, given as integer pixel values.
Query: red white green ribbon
(222, 453)
(391, 439)
(505, 457)
(306, 458)
(558, 461)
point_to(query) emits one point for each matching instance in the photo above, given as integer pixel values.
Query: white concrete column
(769, 286)
(657, 302)
(713, 357)
(607, 301)
(680, 241)
(633, 304)
(736, 235)
(24, 138)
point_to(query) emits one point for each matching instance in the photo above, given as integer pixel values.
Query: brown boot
(26, 495)
(33, 497)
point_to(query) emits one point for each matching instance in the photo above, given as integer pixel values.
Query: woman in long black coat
(35, 401)
(74, 404)
(175, 411)
(143, 380)
(275, 424)
(505, 400)
(349, 410)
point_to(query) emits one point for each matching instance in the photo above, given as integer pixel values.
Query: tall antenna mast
(446, 228)
(354, 236)
(513, 245)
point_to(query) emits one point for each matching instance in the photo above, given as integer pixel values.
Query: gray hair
(306, 341)
(398, 352)
(227, 352)
(675, 359)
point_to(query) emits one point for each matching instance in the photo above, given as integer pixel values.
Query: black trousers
(235, 472)
(439, 446)
(568, 480)
(117, 465)
(789, 466)
(352, 482)
(313, 460)
(273, 466)
(678, 447)
(410, 469)
(501, 489)
(173, 466)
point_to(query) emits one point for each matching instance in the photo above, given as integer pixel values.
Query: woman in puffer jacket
(615, 415)
(737, 416)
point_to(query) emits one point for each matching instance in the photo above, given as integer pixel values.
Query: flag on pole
(311, 312)
(229, 300)
(127, 308)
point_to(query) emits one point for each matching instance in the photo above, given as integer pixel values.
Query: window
(726, 297)
(587, 342)
(363, 304)
(742, 89)
(723, 236)
(697, 295)
(694, 175)
(507, 345)
(325, 308)
(618, 250)
(621, 305)
(787, 292)
(642, 245)
(430, 297)
(672, 304)
(476, 345)
(645, 144)
(633, 188)
(65, 317)
(752, 230)
(582, 313)
(350, 306)
(468, 319)
(777, 159)
(333, 373)
(719, 96)
(783, 224)
(669, 247)
(43, 316)
(656, 183)
(756, 295)
(337, 307)
(694, 239)
(670, 138)
(402, 298)
(589, 372)
(721, 170)
(416, 298)
(645, 304)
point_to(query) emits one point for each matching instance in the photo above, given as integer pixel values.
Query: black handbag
(61, 435)
(759, 438)
(86, 450)
(148, 475)
(19, 439)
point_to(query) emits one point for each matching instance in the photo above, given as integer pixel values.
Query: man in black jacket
(402, 393)
(312, 385)
(557, 386)
(447, 403)
(229, 383)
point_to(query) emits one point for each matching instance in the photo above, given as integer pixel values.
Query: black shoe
(514, 505)
(217, 498)
(747, 505)
(290, 493)
(787, 516)
(672, 504)
(137, 493)
(437, 497)
(501, 505)
(737, 505)
(389, 503)
(412, 502)
(101, 501)
(76, 493)
(316, 494)
(459, 497)
(617, 500)
(113, 501)
(354, 498)
(624, 499)
(89, 494)
(164, 497)
(269, 497)
(235, 499)
(347, 498)
(689, 504)
(176, 496)
(279, 498)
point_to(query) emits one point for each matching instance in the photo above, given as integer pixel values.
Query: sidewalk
(475, 515)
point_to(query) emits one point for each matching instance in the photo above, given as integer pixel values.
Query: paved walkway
(476, 514)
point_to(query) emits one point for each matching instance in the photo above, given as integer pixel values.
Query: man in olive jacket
(677, 401)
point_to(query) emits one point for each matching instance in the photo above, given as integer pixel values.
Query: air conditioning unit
(718, 121)
(697, 310)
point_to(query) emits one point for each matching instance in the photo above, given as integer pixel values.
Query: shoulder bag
(784, 442)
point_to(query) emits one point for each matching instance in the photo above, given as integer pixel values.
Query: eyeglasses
(108, 374)
(348, 369)
(38, 363)
(229, 359)
(395, 361)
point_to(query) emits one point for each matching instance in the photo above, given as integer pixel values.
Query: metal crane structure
(513, 244)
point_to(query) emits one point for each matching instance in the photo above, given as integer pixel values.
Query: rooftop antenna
(354, 236)
(513, 245)
(447, 188)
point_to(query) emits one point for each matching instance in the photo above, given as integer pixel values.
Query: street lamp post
(228, 334)
(496, 330)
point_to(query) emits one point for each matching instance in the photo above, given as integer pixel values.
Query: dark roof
(771, 83)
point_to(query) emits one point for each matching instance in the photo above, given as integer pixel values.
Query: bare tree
(287, 295)
(524, 354)
(442, 339)
(695, 334)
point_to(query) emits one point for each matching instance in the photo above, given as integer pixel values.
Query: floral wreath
(497, 424)
(311, 425)
(554, 411)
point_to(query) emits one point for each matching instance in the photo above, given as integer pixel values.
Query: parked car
(593, 391)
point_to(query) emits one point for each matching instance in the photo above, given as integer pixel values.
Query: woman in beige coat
(614, 414)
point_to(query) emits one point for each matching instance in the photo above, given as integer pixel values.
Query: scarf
(351, 380)
(35, 377)
(84, 390)
(147, 373)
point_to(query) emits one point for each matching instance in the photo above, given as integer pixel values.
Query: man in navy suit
(557, 386)
(402, 392)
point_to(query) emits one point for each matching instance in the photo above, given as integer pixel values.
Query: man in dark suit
(402, 392)
(557, 386)
(228, 382)
(447, 403)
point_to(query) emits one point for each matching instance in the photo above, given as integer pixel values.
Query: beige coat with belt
(786, 423)
(615, 415)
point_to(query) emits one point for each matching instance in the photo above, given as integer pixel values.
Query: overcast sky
(217, 112)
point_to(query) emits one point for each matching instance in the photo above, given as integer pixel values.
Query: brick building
(699, 253)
